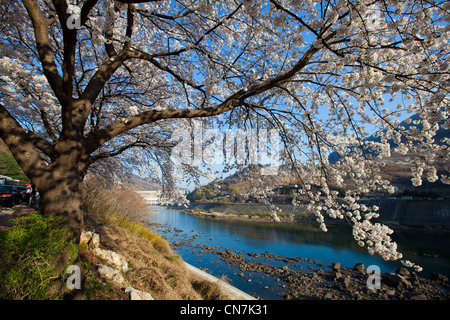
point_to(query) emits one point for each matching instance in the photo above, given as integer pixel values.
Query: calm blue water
(430, 250)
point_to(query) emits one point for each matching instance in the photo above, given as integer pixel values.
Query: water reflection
(431, 250)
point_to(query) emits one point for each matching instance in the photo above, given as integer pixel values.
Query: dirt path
(12, 213)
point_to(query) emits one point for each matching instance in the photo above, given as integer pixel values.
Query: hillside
(152, 267)
(138, 184)
(9, 166)
(232, 188)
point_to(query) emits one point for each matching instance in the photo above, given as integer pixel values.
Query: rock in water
(336, 266)
(359, 267)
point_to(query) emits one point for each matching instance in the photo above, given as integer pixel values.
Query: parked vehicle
(25, 193)
(1, 204)
(10, 195)
(4, 180)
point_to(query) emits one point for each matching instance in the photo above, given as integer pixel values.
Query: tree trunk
(61, 197)
(58, 183)
(60, 191)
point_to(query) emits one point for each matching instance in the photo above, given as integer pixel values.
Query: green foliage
(28, 251)
(283, 214)
(302, 215)
(198, 195)
(10, 168)
(234, 190)
(250, 212)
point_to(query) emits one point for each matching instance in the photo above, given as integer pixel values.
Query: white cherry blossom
(325, 75)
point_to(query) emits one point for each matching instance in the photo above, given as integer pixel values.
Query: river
(193, 235)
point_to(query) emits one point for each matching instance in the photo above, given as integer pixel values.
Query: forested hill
(9, 166)
(232, 188)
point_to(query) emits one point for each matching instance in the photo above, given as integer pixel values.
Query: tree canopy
(85, 81)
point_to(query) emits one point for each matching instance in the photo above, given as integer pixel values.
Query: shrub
(122, 207)
(105, 203)
(198, 195)
(302, 215)
(27, 254)
(250, 212)
(283, 214)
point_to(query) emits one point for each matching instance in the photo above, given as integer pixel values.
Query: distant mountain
(242, 182)
(138, 184)
(400, 174)
(414, 120)
(233, 187)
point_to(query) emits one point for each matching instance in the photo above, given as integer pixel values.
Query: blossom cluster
(325, 75)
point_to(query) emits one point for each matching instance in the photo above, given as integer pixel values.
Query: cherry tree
(82, 82)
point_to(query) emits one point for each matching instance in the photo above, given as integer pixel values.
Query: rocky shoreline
(304, 279)
(319, 282)
(336, 283)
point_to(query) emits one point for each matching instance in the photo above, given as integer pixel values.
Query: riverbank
(228, 290)
(396, 213)
(255, 217)
(123, 261)
(336, 283)
(248, 255)
(305, 279)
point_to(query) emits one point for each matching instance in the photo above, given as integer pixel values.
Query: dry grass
(115, 214)
(102, 203)
(160, 272)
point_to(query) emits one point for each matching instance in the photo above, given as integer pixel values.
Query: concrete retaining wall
(232, 292)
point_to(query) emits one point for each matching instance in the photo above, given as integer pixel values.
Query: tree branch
(270, 83)
(108, 132)
(104, 155)
(47, 126)
(138, 1)
(23, 144)
(151, 58)
(44, 47)
(87, 7)
(96, 84)
(68, 67)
